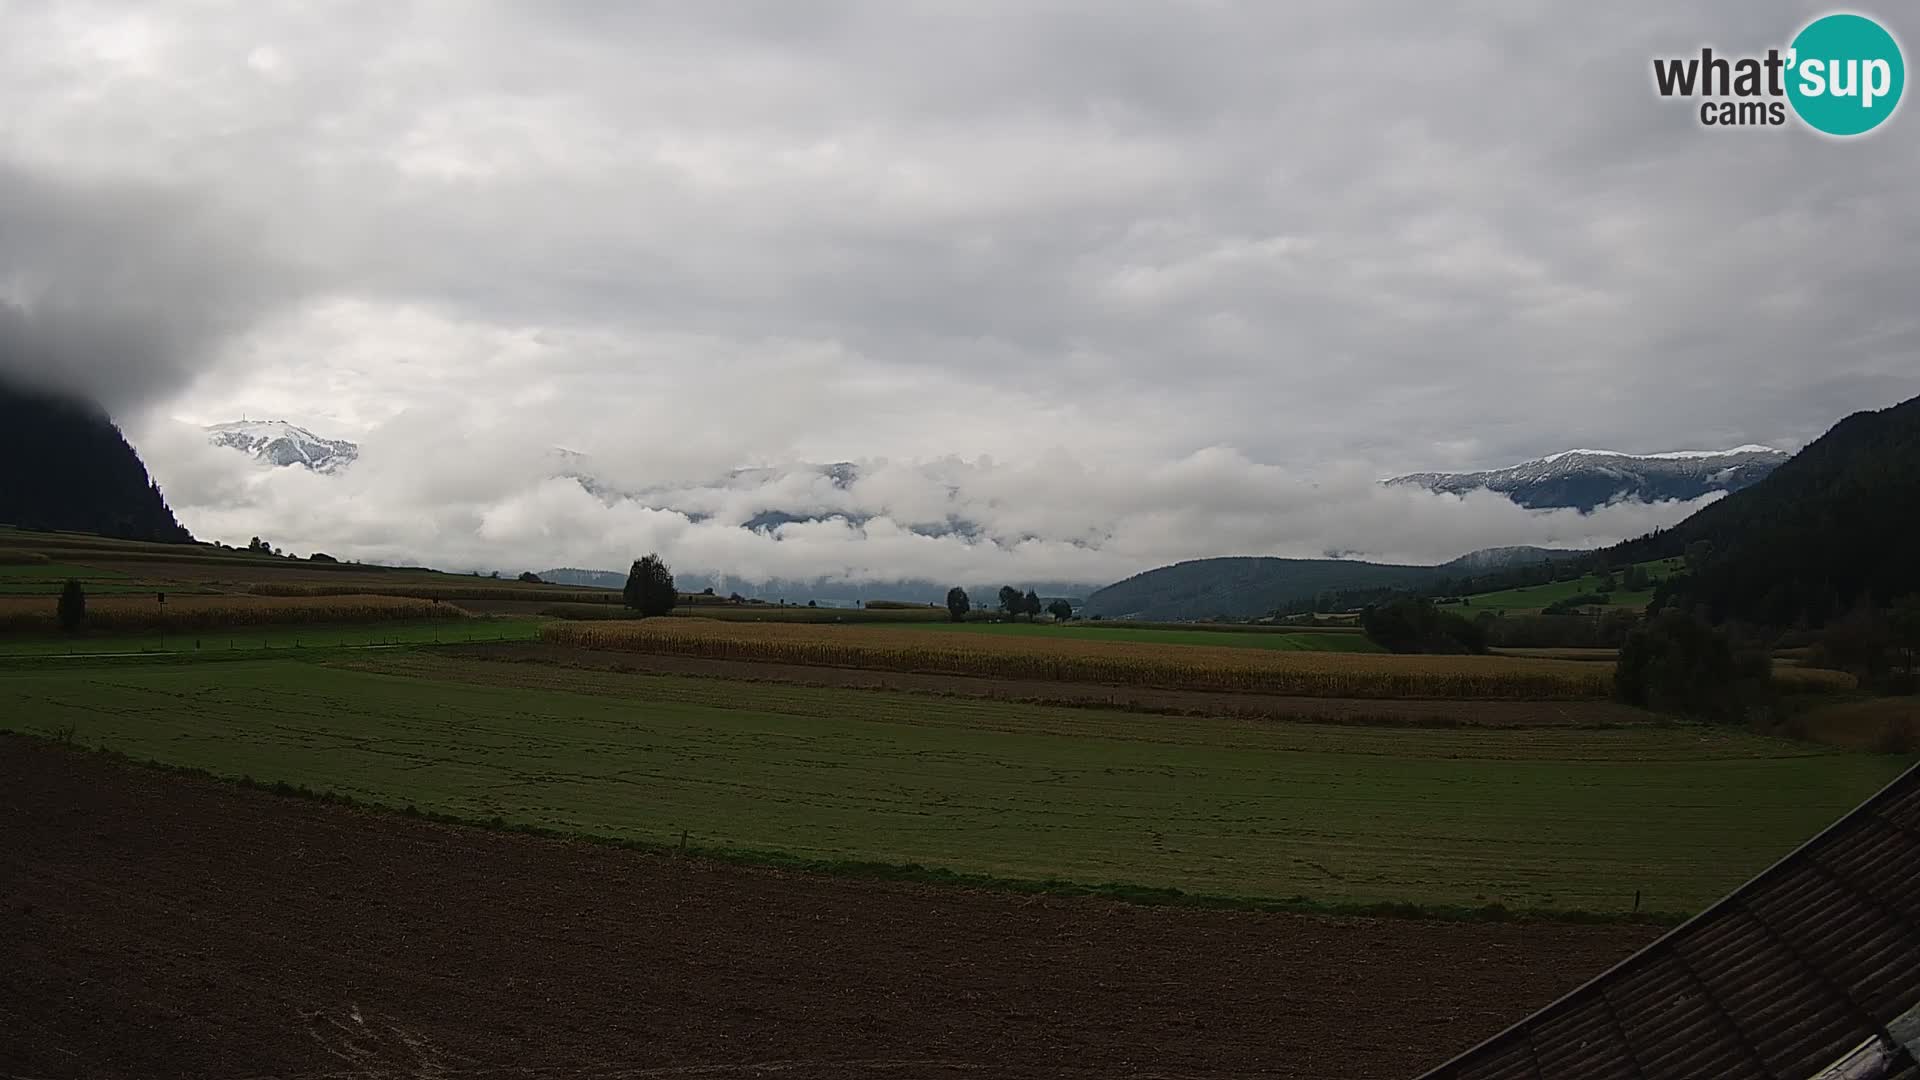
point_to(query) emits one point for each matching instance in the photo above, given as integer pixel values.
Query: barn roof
(1811, 971)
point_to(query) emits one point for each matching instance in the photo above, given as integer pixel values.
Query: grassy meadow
(1569, 820)
(243, 639)
(1529, 599)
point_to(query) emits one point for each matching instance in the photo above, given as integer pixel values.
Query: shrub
(1574, 603)
(649, 589)
(1411, 625)
(73, 606)
(1678, 663)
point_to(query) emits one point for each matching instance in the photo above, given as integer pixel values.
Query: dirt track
(160, 926)
(1435, 713)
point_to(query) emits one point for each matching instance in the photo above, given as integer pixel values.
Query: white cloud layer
(502, 502)
(1168, 265)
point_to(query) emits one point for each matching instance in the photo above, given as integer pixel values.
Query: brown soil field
(155, 925)
(1886, 725)
(1424, 712)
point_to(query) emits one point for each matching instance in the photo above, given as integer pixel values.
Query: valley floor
(157, 925)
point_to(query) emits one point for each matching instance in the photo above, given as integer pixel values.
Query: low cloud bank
(497, 502)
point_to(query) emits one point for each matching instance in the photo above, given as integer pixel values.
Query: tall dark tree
(73, 606)
(650, 588)
(1697, 554)
(1011, 601)
(958, 604)
(1060, 610)
(1409, 625)
(1678, 663)
(1031, 604)
(1904, 624)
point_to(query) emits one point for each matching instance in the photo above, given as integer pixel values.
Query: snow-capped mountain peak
(1669, 455)
(279, 443)
(1586, 478)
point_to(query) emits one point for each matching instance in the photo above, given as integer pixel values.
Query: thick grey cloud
(120, 292)
(1379, 237)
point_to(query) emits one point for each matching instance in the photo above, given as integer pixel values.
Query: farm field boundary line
(1408, 712)
(911, 873)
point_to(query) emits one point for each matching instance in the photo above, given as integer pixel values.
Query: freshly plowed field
(159, 926)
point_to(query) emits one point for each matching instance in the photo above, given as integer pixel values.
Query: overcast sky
(1122, 283)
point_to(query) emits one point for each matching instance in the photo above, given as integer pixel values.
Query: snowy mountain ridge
(280, 444)
(1585, 479)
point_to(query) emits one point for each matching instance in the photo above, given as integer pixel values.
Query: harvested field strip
(1283, 641)
(774, 613)
(549, 594)
(1122, 662)
(1643, 742)
(114, 614)
(218, 932)
(1422, 712)
(1229, 808)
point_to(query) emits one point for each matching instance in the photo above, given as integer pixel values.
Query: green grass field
(47, 579)
(1294, 641)
(278, 637)
(54, 572)
(1558, 819)
(1532, 598)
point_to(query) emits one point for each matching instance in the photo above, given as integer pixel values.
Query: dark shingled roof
(1810, 971)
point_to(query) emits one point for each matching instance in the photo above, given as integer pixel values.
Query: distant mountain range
(279, 443)
(1586, 479)
(1203, 588)
(1577, 479)
(825, 591)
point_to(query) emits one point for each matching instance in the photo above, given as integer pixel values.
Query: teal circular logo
(1845, 74)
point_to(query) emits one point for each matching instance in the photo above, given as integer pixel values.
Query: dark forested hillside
(64, 465)
(1838, 523)
(1242, 587)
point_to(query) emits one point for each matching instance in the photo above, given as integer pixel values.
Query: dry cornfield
(190, 612)
(498, 591)
(1187, 667)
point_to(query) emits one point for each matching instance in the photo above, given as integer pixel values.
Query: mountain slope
(279, 443)
(1838, 522)
(69, 468)
(1585, 479)
(1243, 586)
